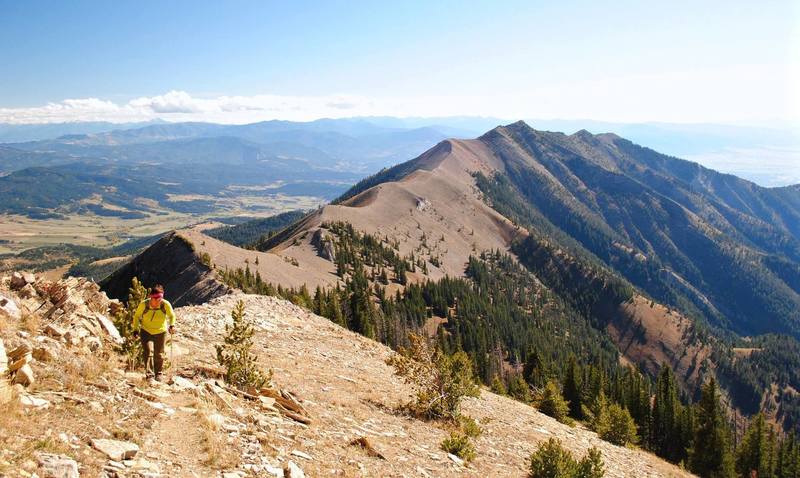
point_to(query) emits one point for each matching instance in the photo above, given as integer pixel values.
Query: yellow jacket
(154, 321)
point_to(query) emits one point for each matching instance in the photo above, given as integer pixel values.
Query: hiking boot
(159, 378)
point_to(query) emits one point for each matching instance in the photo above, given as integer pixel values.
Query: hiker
(154, 314)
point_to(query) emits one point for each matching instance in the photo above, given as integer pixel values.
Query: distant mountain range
(129, 173)
(17, 133)
(768, 155)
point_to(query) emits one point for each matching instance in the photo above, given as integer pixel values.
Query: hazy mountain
(221, 162)
(767, 155)
(16, 133)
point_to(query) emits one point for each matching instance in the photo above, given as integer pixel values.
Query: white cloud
(181, 106)
(740, 93)
(171, 102)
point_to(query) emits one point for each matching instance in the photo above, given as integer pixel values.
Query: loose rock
(27, 292)
(21, 279)
(109, 328)
(57, 466)
(115, 449)
(33, 402)
(458, 461)
(24, 376)
(293, 471)
(9, 308)
(44, 354)
(54, 331)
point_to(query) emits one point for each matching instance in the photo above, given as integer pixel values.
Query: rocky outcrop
(331, 408)
(116, 449)
(5, 388)
(57, 466)
(324, 244)
(174, 263)
(69, 313)
(8, 308)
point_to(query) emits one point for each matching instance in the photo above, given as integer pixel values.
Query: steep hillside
(618, 255)
(690, 237)
(84, 408)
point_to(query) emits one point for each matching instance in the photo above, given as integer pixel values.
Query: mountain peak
(582, 134)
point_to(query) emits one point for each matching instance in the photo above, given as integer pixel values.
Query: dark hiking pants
(153, 347)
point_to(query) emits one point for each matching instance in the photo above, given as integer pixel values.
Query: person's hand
(172, 329)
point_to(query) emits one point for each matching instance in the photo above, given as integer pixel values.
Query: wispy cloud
(181, 106)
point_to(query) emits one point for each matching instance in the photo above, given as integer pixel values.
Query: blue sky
(241, 61)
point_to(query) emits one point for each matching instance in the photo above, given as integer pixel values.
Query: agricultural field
(19, 233)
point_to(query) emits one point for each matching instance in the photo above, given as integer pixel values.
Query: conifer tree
(552, 403)
(788, 459)
(519, 389)
(130, 347)
(665, 433)
(711, 456)
(534, 370)
(498, 386)
(598, 413)
(335, 308)
(621, 428)
(552, 460)
(441, 381)
(572, 389)
(235, 353)
(319, 302)
(753, 453)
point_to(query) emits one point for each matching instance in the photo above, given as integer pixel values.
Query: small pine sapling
(131, 346)
(236, 355)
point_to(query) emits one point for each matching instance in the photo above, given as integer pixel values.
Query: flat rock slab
(57, 466)
(9, 308)
(34, 402)
(115, 449)
(293, 471)
(109, 327)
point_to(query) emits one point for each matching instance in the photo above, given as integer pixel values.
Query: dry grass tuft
(31, 323)
(219, 454)
(22, 449)
(79, 370)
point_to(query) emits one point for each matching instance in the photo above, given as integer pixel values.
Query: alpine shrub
(459, 445)
(551, 460)
(441, 381)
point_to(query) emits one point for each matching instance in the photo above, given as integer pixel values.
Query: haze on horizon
(687, 62)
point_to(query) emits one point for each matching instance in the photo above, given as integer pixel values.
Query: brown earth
(438, 200)
(650, 335)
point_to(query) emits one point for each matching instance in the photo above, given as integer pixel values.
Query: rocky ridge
(331, 412)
